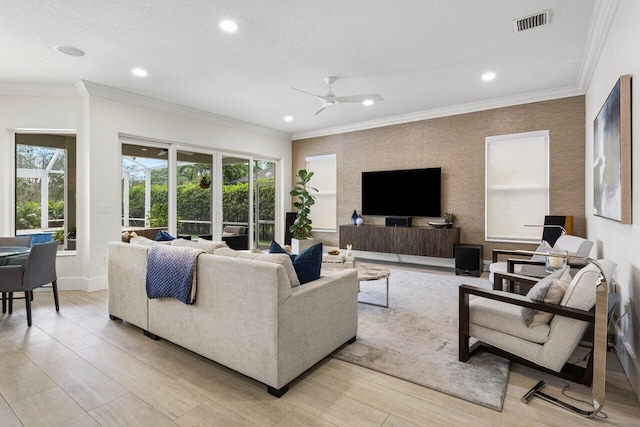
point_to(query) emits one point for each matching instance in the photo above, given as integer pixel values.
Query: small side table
(469, 259)
(368, 272)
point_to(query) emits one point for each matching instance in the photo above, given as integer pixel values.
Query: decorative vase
(359, 220)
(354, 217)
(449, 225)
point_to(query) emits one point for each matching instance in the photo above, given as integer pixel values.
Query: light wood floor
(77, 367)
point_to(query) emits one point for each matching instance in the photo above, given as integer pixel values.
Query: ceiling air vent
(531, 21)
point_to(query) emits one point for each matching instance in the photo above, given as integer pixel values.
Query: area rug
(416, 338)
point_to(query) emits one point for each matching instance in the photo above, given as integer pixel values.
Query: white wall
(34, 112)
(615, 241)
(99, 121)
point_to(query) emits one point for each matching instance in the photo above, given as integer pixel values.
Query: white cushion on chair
(574, 245)
(506, 318)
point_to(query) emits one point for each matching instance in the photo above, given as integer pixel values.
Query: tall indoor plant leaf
(301, 228)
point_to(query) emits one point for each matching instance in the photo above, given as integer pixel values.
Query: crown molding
(525, 98)
(88, 88)
(38, 89)
(604, 12)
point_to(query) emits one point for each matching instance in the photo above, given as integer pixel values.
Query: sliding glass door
(264, 202)
(194, 194)
(145, 202)
(235, 201)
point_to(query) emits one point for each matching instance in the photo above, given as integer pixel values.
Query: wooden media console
(422, 241)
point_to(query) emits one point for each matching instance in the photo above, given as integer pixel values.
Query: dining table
(9, 251)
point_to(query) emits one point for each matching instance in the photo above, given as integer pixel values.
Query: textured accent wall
(456, 143)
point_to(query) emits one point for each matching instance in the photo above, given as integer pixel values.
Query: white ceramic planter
(298, 246)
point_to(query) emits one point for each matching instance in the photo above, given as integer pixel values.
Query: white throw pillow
(283, 259)
(141, 240)
(144, 241)
(203, 244)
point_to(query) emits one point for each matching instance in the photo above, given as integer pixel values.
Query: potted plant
(449, 218)
(59, 236)
(205, 181)
(301, 228)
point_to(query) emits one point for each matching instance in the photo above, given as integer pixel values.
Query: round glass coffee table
(369, 272)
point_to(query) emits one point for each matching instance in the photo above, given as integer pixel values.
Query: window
(45, 188)
(323, 212)
(517, 186)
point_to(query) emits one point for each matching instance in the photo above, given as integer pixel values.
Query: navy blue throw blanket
(171, 273)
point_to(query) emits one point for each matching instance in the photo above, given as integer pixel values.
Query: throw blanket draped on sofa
(171, 273)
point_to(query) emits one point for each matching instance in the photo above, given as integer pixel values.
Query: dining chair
(21, 241)
(16, 241)
(39, 270)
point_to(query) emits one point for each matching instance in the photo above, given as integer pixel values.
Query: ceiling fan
(331, 99)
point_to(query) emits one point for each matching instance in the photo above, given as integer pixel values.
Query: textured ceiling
(420, 55)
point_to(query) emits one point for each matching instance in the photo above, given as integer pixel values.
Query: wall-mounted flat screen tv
(408, 192)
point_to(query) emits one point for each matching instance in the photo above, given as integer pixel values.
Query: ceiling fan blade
(320, 97)
(319, 110)
(359, 98)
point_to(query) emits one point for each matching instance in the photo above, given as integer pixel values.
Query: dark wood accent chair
(503, 336)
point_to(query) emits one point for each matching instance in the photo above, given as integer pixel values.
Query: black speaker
(469, 259)
(289, 219)
(397, 221)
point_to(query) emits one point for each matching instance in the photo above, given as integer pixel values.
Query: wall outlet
(103, 259)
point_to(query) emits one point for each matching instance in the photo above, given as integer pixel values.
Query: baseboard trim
(629, 362)
(71, 284)
(82, 284)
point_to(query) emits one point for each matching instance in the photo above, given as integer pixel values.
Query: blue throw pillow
(163, 236)
(308, 263)
(275, 248)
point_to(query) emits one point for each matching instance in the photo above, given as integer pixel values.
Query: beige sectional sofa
(247, 316)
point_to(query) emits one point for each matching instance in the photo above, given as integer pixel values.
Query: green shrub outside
(194, 203)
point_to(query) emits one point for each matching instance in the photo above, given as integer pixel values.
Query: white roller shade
(517, 186)
(323, 212)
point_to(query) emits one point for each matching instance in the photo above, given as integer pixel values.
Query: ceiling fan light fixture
(228, 26)
(331, 99)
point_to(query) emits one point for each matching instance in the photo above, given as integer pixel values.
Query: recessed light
(228, 26)
(288, 118)
(143, 149)
(488, 76)
(71, 51)
(139, 72)
(368, 102)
